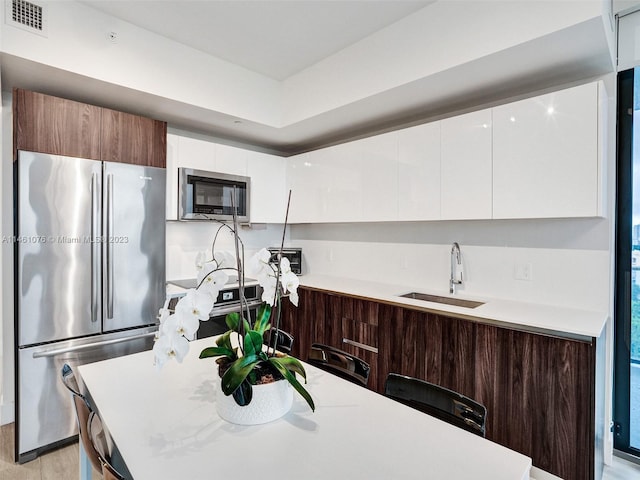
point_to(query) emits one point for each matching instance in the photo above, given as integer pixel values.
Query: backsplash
(186, 239)
(575, 278)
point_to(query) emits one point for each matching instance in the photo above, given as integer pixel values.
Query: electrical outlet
(524, 271)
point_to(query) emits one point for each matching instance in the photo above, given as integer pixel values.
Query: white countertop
(166, 426)
(555, 320)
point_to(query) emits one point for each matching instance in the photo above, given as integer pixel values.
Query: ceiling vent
(26, 15)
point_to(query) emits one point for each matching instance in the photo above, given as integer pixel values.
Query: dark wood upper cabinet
(47, 124)
(133, 139)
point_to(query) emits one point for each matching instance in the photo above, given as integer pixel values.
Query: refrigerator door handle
(109, 243)
(95, 247)
(87, 346)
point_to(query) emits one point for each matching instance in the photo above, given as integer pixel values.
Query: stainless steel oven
(228, 301)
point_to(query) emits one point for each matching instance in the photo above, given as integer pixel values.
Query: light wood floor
(62, 464)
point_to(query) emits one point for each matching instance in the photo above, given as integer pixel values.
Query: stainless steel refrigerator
(89, 279)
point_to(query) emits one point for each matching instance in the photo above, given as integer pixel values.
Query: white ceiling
(274, 38)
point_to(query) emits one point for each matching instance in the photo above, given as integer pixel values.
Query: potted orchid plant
(244, 361)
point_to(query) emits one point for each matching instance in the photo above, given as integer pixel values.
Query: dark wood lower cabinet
(539, 390)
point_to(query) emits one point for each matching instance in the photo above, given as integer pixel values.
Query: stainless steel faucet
(456, 259)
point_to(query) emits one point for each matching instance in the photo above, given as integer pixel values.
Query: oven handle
(224, 310)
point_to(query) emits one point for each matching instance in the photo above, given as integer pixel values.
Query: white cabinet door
(306, 178)
(341, 184)
(230, 160)
(378, 177)
(269, 191)
(419, 172)
(172, 176)
(196, 153)
(466, 166)
(545, 155)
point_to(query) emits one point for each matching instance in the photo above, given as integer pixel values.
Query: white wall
(143, 61)
(7, 390)
(441, 36)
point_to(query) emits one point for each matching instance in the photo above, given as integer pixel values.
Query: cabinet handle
(363, 346)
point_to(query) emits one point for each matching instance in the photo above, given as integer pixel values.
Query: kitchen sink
(458, 302)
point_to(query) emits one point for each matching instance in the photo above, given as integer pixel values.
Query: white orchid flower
(181, 324)
(258, 265)
(293, 297)
(225, 259)
(213, 282)
(168, 347)
(207, 268)
(268, 284)
(285, 265)
(201, 259)
(195, 303)
(289, 281)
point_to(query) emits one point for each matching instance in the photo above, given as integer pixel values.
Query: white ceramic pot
(270, 401)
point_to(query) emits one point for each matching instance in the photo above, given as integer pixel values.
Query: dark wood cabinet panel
(400, 342)
(47, 124)
(449, 352)
(306, 322)
(133, 139)
(539, 397)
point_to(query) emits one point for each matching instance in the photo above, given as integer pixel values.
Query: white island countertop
(165, 425)
(538, 318)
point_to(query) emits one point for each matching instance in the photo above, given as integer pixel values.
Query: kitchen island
(166, 426)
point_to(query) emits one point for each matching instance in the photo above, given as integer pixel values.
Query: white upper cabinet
(351, 182)
(546, 160)
(465, 163)
(230, 160)
(268, 202)
(419, 172)
(307, 179)
(196, 153)
(342, 186)
(378, 177)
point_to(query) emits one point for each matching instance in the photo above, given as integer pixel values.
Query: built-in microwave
(206, 195)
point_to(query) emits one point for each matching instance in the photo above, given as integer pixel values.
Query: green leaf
(262, 318)
(224, 341)
(238, 371)
(246, 325)
(293, 381)
(243, 394)
(252, 342)
(292, 364)
(217, 352)
(232, 320)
